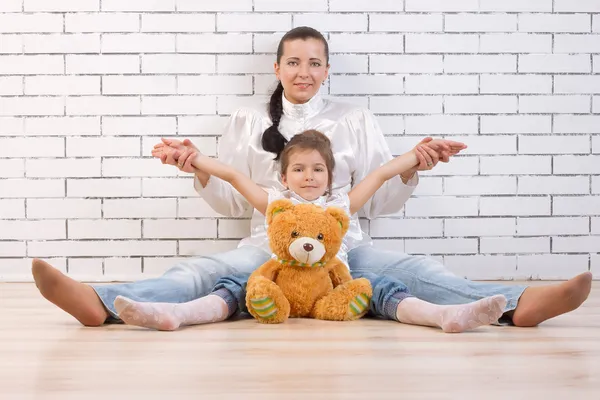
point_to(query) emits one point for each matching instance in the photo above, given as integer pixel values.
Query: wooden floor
(45, 354)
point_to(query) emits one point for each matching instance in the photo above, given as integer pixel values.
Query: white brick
(595, 144)
(515, 245)
(480, 227)
(138, 5)
(88, 269)
(480, 23)
(516, 84)
(440, 246)
(442, 43)
(156, 187)
(554, 63)
(516, 43)
(577, 84)
(391, 124)
(333, 22)
(177, 63)
(515, 5)
(267, 42)
(62, 85)
(414, 228)
(32, 147)
(138, 126)
(32, 187)
(10, 126)
(11, 208)
(576, 44)
(233, 228)
(101, 248)
(140, 208)
(63, 208)
(367, 43)
(554, 104)
(176, 229)
(177, 105)
(195, 208)
(228, 104)
(61, 44)
(441, 124)
(458, 166)
(367, 84)
(581, 205)
(208, 145)
(444, 206)
(551, 266)
(498, 124)
(210, 5)
(421, 64)
(138, 84)
(595, 226)
(12, 168)
(12, 249)
(31, 65)
(122, 267)
(103, 105)
(105, 229)
(62, 126)
(596, 105)
(553, 226)
(512, 206)
(516, 165)
(441, 84)
(487, 144)
(595, 263)
(202, 125)
(264, 84)
(554, 145)
(576, 6)
(596, 23)
(59, 168)
(442, 5)
(104, 187)
(11, 85)
(31, 106)
(480, 185)
(23, 23)
(215, 84)
(10, 44)
(138, 43)
(480, 63)
(214, 43)
(178, 23)
(596, 184)
(554, 23)
(407, 104)
(32, 230)
(11, 5)
(482, 104)
(484, 267)
(290, 5)
(206, 247)
(103, 64)
(106, 146)
(554, 185)
(134, 167)
(103, 22)
(253, 22)
(576, 244)
(360, 5)
(577, 165)
(406, 23)
(61, 5)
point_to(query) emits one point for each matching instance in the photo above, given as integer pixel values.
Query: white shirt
(358, 147)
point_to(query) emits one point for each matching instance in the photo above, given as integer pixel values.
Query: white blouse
(358, 146)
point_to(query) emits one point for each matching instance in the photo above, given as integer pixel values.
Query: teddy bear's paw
(358, 306)
(264, 308)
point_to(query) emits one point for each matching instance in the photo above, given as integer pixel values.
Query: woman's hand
(177, 153)
(429, 152)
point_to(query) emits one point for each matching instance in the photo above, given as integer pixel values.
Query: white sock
(454, 318)
(170, 316)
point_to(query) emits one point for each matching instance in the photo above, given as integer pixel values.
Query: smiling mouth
(304, 85)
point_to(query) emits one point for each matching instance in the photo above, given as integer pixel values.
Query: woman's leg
(429, 280)
(186, 281)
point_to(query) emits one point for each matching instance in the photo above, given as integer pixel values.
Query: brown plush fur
(322, 292)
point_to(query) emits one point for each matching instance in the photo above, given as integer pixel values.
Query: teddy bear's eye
(295, 234)
(320, 236)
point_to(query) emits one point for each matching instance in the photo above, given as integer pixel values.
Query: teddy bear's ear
(341, 216)
(276, 207)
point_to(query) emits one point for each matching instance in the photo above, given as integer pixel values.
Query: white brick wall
(87, 87)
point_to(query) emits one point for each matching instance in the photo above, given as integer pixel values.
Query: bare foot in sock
(170, 316)
(76, 298)
(463, 317)
(540, 303)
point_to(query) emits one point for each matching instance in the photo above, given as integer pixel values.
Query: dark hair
(310, 140)
(272, 140)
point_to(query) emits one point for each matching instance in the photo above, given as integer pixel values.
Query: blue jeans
(425, 278)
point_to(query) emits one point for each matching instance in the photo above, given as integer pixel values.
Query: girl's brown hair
(310, 140)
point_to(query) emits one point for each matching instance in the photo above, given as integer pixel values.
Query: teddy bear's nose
(308, 247)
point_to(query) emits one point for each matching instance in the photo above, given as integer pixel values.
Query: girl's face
(306, 174)
(302, 69)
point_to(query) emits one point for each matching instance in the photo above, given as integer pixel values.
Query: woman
(251, 144)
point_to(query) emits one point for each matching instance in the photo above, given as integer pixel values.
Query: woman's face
(302, 69)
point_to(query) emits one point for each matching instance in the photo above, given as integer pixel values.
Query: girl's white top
(358, 146)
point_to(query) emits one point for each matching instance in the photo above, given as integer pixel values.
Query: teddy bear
(305, 278)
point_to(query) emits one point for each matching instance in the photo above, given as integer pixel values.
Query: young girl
(306, 166)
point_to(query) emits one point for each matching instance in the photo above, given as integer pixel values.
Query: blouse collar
(307, 109)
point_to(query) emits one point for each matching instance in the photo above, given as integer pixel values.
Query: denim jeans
(425, 278)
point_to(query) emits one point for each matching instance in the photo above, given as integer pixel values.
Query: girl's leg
(429, 280)
(186, 281)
